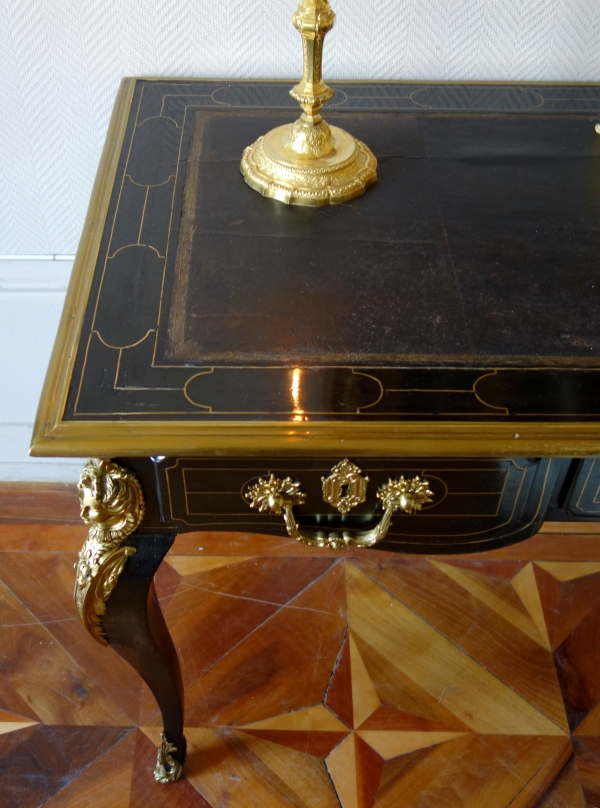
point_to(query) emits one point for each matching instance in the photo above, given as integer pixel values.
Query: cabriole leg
(136, 629)
(116, 599)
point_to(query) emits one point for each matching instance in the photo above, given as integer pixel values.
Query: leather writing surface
(480, 239)
(365, 281)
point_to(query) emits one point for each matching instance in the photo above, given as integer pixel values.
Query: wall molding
(38, 274)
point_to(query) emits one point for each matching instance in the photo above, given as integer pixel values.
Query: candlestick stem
(313, 19)
(309, 162)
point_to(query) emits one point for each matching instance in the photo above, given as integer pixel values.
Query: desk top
(451, 310)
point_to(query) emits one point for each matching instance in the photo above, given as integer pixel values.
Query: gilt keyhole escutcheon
(345, 487)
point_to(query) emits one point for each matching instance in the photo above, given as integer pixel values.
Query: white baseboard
(35, 471)
(16, 465)
(31, 298)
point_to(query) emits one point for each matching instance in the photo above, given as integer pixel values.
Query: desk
(214, 343)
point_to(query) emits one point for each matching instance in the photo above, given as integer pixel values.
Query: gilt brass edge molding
(112, 505)
(443, 82)
(58, 376)
(382, 439)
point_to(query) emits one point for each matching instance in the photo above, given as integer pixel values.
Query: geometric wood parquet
(360, 679)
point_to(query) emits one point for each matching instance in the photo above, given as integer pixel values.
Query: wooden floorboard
(26, 503)
(361, 679)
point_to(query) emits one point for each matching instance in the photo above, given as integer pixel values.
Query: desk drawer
(477, 504)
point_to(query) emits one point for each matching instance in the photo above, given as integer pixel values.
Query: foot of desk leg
(135, 627)
(116, 599)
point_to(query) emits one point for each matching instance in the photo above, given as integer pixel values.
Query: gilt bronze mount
(112, 505)
(345, 487)
(309, 162)
(168, 769)
(274, 495)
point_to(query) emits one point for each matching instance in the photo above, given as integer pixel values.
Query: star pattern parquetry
(368, 681)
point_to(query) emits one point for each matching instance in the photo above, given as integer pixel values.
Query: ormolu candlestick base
(309, 162)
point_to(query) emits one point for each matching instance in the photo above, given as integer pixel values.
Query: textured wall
(61, 61)
(31, 299)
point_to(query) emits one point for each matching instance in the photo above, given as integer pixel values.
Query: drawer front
(584, 499)
(476, 503)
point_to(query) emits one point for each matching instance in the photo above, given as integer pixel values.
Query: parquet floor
(312, 679)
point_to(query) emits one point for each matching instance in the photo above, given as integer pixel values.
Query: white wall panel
(31, 299)
(61, 62)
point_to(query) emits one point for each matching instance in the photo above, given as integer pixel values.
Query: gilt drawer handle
(278, 496)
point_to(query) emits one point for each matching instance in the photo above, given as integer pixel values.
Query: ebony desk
(445, 325)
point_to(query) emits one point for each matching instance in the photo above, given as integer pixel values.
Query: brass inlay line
(187, 493)
(504, 410)
(531, 521)
(159, 117)
(504, 472)
(381, 389)
(127, 246)
(143, 214)
(584, 487)
(585, 484)
(52, 435)
(180, 95)
(121, 348)
(474, 109)
(502, 524)
(114, 221)
(150, 185)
